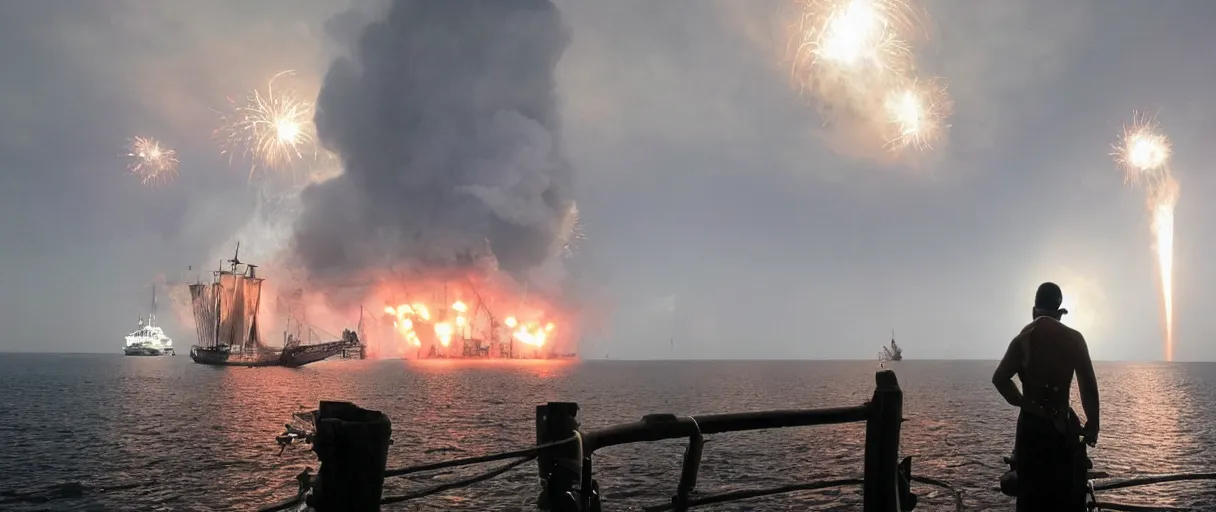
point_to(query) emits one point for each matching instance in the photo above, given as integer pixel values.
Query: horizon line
(703, 360)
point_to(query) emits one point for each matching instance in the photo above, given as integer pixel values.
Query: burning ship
(226, 319)
(464, 316)
(892, 352)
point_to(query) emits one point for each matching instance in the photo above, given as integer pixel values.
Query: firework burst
(1143, 153)
(856, 59)
(573, 233)
(855, 42)
(916, 115)
(151, 161)
(273, 129)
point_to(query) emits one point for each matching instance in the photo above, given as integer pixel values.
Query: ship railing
(352, 446)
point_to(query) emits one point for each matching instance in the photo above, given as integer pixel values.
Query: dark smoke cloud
(445, 117)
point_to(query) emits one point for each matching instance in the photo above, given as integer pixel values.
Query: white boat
(149, 339)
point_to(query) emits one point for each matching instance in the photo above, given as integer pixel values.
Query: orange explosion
(463, 317)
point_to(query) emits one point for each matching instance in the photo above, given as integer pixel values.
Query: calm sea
(102, 432)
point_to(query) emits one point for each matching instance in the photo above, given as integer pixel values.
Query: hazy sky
(719, 210)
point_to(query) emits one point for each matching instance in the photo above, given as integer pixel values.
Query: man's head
(1047, 301)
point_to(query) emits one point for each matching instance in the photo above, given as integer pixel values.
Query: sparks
(273, 129)
(572, 232)
(915, 115)
(151, 161)
(855, 58)
(1143, 153)
(853, 36)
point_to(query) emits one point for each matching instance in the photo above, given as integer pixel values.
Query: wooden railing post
(352, 445)
(881, 487)
(560, 469)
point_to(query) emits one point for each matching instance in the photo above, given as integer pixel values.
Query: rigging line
(316, 329)
(526, 452)
(459, 483)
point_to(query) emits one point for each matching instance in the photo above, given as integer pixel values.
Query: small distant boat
(148, 338)
(892, 352)
(226, 316)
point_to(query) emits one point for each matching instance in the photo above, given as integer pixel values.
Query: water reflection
(201, 438)
(1150, 422)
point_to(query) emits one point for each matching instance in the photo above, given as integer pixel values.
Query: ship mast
(216, 296)
(257, 306)
(236, 289)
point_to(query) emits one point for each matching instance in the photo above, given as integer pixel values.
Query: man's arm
(1002, 378)
(1087, 383)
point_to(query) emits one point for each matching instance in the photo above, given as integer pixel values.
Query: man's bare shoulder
(1056, 328)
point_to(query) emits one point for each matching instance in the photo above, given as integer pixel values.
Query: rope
(1150, 480)
(286, 505)
(1123, 507)
(756, 493)
(526, 452)
(1147, 480)
(457, 484)
(958, 495)
(811, 486)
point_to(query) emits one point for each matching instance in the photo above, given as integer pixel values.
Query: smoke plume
(444, 115)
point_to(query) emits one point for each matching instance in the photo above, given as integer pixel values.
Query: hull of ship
(142, 352)
(224, 358)
(307, 354)
(292, 358)
(298, 360)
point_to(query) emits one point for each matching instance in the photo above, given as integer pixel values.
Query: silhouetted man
(1050, 459)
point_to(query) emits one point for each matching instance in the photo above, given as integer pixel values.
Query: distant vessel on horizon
(892, 352)
(148, 338)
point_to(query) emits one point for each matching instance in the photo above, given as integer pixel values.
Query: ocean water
(106, 432)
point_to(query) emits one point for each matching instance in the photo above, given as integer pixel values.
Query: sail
(203, 302)
(240, 300)
(228, 291)
(253, 302)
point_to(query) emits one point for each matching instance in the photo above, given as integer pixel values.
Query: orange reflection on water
(454, 403)
(1150, 422)
(544, 368)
